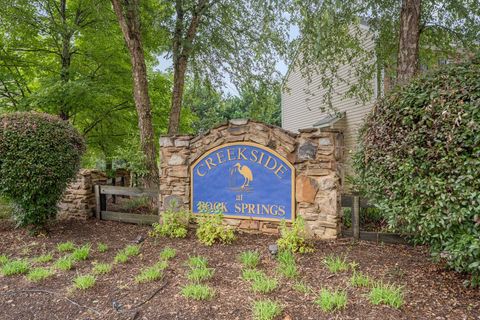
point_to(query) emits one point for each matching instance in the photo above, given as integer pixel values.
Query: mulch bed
(430, 291)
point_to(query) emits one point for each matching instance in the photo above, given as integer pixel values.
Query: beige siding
(301, 109)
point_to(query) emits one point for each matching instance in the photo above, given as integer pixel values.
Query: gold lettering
(237, 208)
(198, 170)
(261, 157)
(268, 161)
(210, 163)
(220, 157)
(251, 208)
(229, 155)
(279, 169)
(281, 210)
(241, 153)
(254, 156)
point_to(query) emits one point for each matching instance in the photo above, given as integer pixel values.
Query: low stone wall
(315, 153)
(78, 201)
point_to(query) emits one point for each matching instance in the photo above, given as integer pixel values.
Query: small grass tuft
(168, 253)
(266, 310)
(102, 268)
(3, 259)
(132, 250)
(64, 263)
(386, 294)
(331, 300)
(121, 257)
(84, 282)
(197, 262)
(44, 258)
(249, 259)
(200, 274)
(14, 267)
(197, 292)
(336, 264)
(302, 287)
(149, 274)
(359, 279)
(81, 253)
(264, 284)
(102, 247)
(250, 274)
(66, 246)
(287, 266)
(39, 274)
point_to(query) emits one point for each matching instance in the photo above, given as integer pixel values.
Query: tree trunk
(65, 57)
(177, 95)
(408, 45)
(129, 20)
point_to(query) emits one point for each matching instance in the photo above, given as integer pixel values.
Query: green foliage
(266, 310)
(168, 253)
(152, 273)
(174, 224)
(259, 280)
(102, 247)
(14, 267)
(331, 300)
(419, 162)
(3, 259)
(200, 274)
(44, 258)
(287, 265)
(81, 253)
(64, 263)
(294, 239)
(302, 287)
(132, 250)
(198, 292)
(386, 294)
(336, 263)
(250, 274)
(39, 274)
(197, 262)
(102, 268)
(250, 259)
(359, 279)
(39, 155)
(210, 229)
(84, 282)
(66, 246)
(121, 257)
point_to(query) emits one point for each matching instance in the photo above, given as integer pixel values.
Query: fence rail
(101, 192)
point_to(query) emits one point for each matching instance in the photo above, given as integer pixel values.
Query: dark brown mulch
(430, 291)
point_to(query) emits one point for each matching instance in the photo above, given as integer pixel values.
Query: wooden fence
(355, 202)
(101, 192)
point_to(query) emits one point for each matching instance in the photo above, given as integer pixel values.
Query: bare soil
(430, 291)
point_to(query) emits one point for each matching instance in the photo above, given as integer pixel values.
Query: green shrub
(294, 239)
(174, 224)
(39, 155)
(419, 162)
(266, 310)
(210, 229)
(331, 300)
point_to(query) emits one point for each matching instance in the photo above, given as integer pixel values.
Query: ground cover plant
(260, 282)
(168, 253)
(39, 155)
(249, 259)
(152, 273)
(331, 300)
(64, 263)
(14, 267)
(210, 229)
(81, 253)
(197, 291)
(197, 273)
(102, 247)
(39, 274)
(294, 238)
(47, 257)
(66, 246)
(359, 279)
(387, 294)
(84, 282)
(266, 310)
(3, 259)
(419, 163)
(286, 264)
(127, 252)
(336, 263)
(102, 268)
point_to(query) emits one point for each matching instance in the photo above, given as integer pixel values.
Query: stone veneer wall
(78, 201)
(315, 153)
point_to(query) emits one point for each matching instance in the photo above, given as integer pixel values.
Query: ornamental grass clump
(418, 162)
(39, 155)
(266, 310)
(14, 267)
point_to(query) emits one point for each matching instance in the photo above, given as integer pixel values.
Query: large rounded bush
(419, 162)
(39, 155)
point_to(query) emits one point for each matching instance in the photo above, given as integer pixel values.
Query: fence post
(98, 207)
(356, 217)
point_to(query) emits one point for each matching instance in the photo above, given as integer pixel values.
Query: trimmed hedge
(39, 155)
(419, 162)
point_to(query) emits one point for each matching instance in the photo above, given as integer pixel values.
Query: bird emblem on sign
(245, 172)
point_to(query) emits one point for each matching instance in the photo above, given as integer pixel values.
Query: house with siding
(302, 103)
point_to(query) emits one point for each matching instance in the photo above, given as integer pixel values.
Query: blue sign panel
(243, 180)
